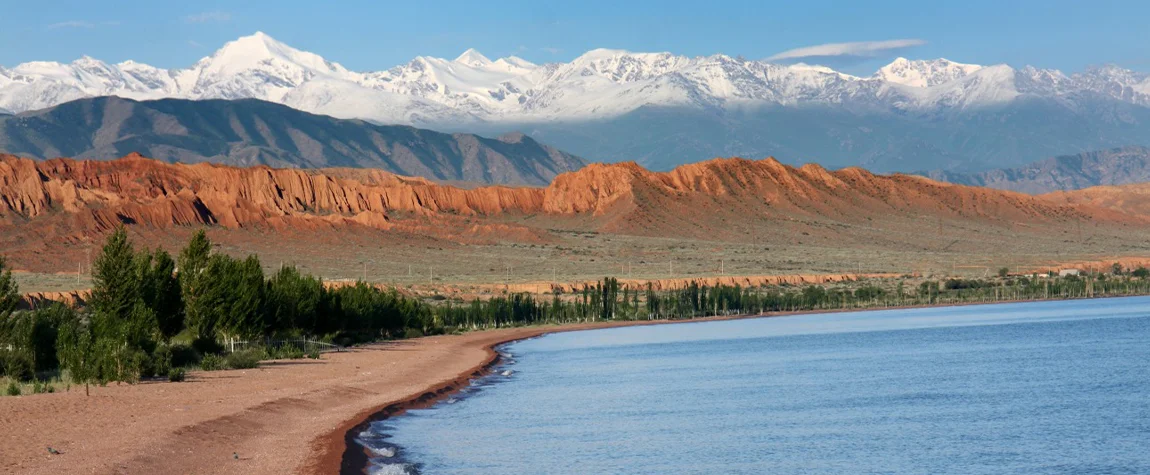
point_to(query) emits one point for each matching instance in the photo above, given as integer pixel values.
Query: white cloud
(209, 17)
(860, 48)
(71, 24)
(195, 44)
(552, 50)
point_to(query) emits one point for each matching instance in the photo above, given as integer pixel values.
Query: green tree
(77, 351)
(246, 316)
(160, 291)
(193, 261)
(9, 291)
(293, 301)
(123, 324)
(1141, 272)
(230, 303)
(1116, 268)
(34, 333)
(9, 300)
(1003, 272)
(115, 283)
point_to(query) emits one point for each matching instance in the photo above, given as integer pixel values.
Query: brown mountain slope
(1133, 199)
(137, 190)
(49, 210)
(685, 200)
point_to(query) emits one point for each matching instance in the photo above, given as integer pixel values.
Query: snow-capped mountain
(922, 73)
(599, 84)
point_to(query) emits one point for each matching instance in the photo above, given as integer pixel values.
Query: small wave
(392, 469)
(387, 452)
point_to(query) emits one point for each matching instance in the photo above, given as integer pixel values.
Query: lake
(1046, 387)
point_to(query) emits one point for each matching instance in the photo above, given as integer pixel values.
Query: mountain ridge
(1116, 166)
(600, 83)
(660, 108)
(249, 132)
(52, 210)
(622, 197)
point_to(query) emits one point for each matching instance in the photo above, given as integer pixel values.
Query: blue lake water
(1050, 387)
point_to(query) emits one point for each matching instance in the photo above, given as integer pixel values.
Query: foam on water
(389, 458)
(392, 469)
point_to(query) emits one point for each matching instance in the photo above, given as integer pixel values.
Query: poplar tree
(115, 285)
(293, 301)
(164, 294)
(193, 261)
(123, 325)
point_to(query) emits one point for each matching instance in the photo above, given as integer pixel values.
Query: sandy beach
(284, 417)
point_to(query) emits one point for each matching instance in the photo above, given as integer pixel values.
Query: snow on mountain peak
(924, 73)
(516, 62)
(473, 58)
(255, 66)
(600, 83)
(259, 48)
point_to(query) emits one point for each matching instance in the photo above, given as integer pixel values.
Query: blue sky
(366, 35)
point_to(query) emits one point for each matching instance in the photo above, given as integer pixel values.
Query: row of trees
(608, 300)
(143, 299)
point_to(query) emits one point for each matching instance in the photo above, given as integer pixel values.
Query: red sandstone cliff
(92, 196)
(137, 190)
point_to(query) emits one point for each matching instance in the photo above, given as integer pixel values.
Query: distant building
(1066, 272)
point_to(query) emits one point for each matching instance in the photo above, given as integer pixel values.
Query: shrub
(313, 354)
(37, 386)
(413, 333)
(288, 351)
(213, 362)
(161, 361)
(184, 356)
(246, 359)
(176, 375)
(13, 388)
(18, 366)
(206, 346)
